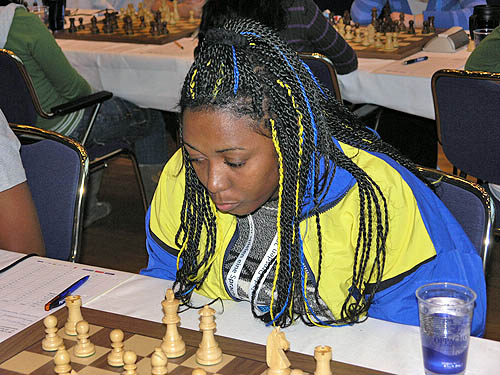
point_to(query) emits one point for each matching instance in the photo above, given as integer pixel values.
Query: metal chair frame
(438, 176)
(30, 134)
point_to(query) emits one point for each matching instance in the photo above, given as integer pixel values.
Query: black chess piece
(402, 22)
(154, 28)
(164, 30)
(81, 26)
(411, 29)
(347, 18)
(425, 27)
(142, 25)
(93, 25)
(72, 27)
(432, 28)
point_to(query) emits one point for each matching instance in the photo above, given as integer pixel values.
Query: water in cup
(445, 312)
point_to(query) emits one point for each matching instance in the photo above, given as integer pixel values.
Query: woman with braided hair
(280, 197)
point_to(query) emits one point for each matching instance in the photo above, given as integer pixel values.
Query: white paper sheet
(28, 286)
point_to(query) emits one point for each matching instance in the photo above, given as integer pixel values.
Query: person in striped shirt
(446, 13)
(299, 22)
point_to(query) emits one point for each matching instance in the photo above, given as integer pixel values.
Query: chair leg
(140, 183)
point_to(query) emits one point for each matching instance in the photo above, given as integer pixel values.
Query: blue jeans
(118, 119)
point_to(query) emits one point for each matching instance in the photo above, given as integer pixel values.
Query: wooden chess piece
(431, 24)
(199, 371)
(348, 33)
(370, 30)
(357, 33)
(115, 357)
(159, 362)
(191, 16)
(323, 356)
(209, 353)
(62, 361)
(411, 29)
(129, 358)
(72, 26)
(471, 46)
(93, 25)
(172, 343)
(81, 26)
(84, 348)
(366, 39)
(402, 21)
(74, 304)
(395, 41)
(388, 42)
(176, 11)
(276, 359)
(52, 341)
(378, 39)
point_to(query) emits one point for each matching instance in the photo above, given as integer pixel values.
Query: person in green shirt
(57, 82)
(486, 58)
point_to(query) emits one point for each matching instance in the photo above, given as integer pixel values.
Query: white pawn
(209, 353)
(172, 343)
(191, 16)
(159, 362)
(323, 356)
(115, 357)
(74, 304)
(129, 358)
(84, 348)
(199, 371)
(62, 360)
(348, 33)
(51, 342)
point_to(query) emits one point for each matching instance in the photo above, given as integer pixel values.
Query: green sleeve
(486, 56)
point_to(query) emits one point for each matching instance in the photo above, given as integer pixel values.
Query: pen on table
(60, 298)
(178, 44)
(413, 61)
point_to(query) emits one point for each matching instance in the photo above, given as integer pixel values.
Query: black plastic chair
(20, 104)
(470, 204)
(466, 106)
(324, 70)
(57, 172)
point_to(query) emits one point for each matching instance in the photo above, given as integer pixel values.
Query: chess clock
(448, 41)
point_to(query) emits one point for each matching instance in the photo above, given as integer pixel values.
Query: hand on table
(418, 18)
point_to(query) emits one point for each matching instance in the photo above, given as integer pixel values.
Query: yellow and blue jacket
(425, 243)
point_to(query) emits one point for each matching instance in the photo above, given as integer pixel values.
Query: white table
(374, 344)
(152, 75)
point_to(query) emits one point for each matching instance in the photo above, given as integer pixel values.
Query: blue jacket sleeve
(162, 261)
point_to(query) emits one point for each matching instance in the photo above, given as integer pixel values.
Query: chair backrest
(57, 172)
(466, 106)
(470, 204)
(324, 70)
(18, 98)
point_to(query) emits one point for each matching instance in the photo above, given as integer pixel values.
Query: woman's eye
(235, 164)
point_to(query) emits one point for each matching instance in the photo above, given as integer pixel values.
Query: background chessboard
(22, 353)
(408, 45)
(182, 29)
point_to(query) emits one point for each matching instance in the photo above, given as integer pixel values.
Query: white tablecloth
(152, 75)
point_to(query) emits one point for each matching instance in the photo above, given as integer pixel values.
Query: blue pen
(60, 298)
(413, 61)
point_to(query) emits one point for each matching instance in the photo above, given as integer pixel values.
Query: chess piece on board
(176, 11)
(129, 358)
(366, 40)
(426, 28)
(411, 29)
(81, 26)
(323, 356)
(115, 357)
(357, 33)
(83, 348)
(159, 362)
(72, 26)
(93, 25)
(74, 304)
(388, 42)
(191, 16)
(395, 40)
(62, 361)
(209, 353)
(378, 39)
(199, 371)
(172, 343)
(370, 30)
(431, 24)
(52, 341)
(348, 33)
(276, 359)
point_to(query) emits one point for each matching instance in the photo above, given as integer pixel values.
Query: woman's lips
(225, 207)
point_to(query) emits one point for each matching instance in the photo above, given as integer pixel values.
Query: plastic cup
(42, 12)
(480, 34)
(445, 311)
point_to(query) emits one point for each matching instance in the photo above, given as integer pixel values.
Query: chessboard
(408, 45)
(23, 354)
(141, 33)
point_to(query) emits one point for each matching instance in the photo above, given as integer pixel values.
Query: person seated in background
(446, 13)
(299, 22)
(57, 82)
(19, 227)
(336, 7)
(281, 197)
(486, 58)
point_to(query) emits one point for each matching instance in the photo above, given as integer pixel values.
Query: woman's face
(236, 165)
